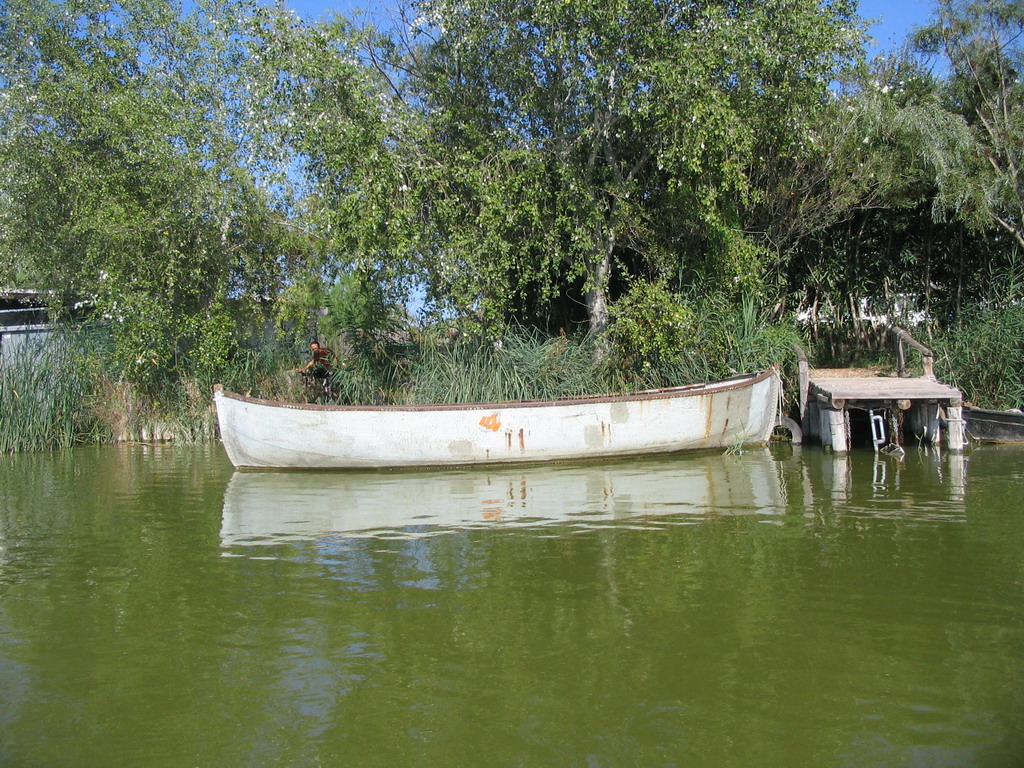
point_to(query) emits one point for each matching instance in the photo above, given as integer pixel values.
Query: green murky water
(157, 609)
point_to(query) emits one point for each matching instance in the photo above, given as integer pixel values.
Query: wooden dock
(920, 406)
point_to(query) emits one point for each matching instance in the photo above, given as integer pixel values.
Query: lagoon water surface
(764, 609)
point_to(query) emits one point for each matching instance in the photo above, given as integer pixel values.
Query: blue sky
(894, 17)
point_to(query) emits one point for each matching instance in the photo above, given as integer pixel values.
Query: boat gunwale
(1012, 415)
(664, 393)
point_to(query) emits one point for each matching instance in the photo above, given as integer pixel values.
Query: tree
(571, 146)
(862, 217)
(346, 132)
(983, 43)
(128, 182)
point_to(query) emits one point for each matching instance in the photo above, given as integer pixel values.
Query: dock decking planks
(882, 389)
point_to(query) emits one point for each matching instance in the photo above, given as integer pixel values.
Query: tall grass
(723, 339)
(983, 355)
(66, 389)
(523, 366)
(982, 352)
(60, 393)
(180, 409)
(45, 387)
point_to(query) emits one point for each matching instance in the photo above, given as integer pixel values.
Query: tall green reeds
(983, 355)
(64, 388)
(663, 338)
(982, 352)
(522, 366)
(179, 409)
(525, 365)
(45, 386)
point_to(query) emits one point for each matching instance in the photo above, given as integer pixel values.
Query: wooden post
(927, 356)
(803, 383)
(955, 437)
(833, 428)
(812, 421)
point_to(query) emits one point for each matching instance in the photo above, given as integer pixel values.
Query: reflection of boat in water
(270, 507)
(264, 433)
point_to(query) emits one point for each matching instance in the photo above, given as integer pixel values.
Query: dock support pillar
(833, 429)
(955, 438)
(811, 422)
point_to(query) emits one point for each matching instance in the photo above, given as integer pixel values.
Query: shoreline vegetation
(65, 392)
(576, 198)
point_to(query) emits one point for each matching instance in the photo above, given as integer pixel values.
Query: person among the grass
(320, 365)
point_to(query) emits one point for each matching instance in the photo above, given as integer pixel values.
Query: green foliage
(523, 366)
(982, 44)
(754, 343)
(707, 339)
(44, 392)
(983, 352)
(125, 179)
(651, 325)
(66, 390)
(664, 338)
(347, 134)
(572, 145)
(359, 310)
(372, 331)
(868, 226)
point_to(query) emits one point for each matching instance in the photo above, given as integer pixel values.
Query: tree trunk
(598, 275)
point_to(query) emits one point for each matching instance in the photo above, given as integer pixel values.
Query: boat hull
(268, 434)
(986, 426)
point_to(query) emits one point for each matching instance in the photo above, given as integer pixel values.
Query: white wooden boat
(263, 433)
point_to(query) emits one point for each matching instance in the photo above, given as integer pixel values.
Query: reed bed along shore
(65, 390)
(44, 396)
(983, 355)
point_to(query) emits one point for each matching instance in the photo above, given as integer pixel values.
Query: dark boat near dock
(986, 426)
